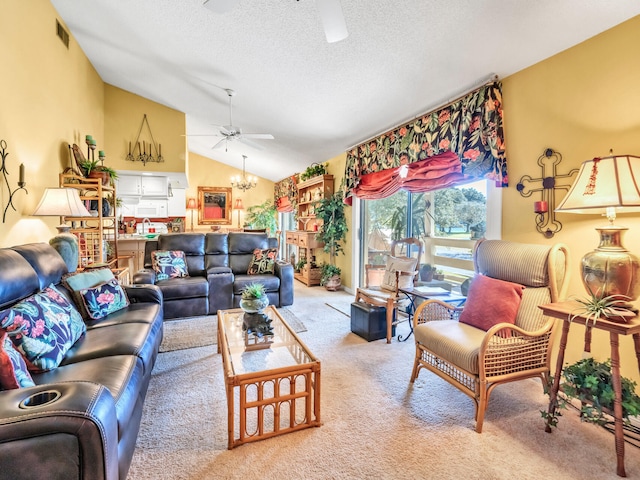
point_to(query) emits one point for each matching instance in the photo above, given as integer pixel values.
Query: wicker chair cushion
(455, 342)
(530, 316)
(521, 263)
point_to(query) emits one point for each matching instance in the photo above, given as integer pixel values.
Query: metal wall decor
(546, 222)
(5, 172)
(142, 155)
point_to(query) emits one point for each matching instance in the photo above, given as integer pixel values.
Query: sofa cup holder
(40, 399)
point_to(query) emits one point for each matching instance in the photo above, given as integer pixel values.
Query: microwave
(151, 209)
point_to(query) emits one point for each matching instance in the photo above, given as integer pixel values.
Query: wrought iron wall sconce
(142, 155)
(547, 185)
(5, 172)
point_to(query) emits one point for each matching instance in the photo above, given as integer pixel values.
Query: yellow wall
(204, 172)
(581, 102)
(51, 96)
(124, 112)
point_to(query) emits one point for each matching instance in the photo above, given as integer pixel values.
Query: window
(447, 221)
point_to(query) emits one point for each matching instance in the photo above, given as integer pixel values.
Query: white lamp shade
(61, 202)
(610, 182)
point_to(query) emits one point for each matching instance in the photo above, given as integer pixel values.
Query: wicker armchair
(386, 295)
(476, 361)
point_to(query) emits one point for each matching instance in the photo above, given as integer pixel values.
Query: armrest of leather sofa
(220, 288)
(146, 275)
(73, 436)
(284, 270)
(141, 293)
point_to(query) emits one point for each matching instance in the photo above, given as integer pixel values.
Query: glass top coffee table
(272, 383)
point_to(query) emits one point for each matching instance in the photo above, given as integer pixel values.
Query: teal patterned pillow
(43, 328)
(263, 261)
(13, 370)
(169, 264)
(104, 299)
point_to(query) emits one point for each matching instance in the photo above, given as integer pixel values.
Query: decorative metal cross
(546, 222)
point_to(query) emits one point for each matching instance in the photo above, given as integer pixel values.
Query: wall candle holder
(544, 209)
(5, 172)
(142, 155)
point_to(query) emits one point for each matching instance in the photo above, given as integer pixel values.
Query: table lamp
(604, 185)
(239, 207)
(192, 205)
(63, 202)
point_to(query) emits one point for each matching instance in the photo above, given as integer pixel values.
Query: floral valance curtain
(470, 127)
(285, 195)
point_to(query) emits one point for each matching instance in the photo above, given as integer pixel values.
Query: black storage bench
(369, 321)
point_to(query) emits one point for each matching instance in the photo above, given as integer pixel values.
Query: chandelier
(245, 182)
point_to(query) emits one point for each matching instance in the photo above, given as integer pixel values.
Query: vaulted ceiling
(317, 99)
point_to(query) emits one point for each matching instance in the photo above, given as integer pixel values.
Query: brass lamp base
(611, 269)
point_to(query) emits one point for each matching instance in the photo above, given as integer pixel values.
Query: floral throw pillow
(169, 264)
(13, 370)
(104, 299)
(263, 261)
(43, 328)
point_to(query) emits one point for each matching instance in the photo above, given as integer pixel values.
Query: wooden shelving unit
(93, 232)
(304, 238)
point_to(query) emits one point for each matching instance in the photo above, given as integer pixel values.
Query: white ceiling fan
(329, 11)
(231, 132)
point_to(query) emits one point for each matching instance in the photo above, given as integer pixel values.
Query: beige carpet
(375, 425)
(192, 332)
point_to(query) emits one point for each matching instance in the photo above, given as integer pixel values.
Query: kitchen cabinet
(142, 185)
(134, 249)
(129, 185)
(154, 186)
(178, 203)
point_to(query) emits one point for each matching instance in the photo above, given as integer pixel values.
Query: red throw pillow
(491, 301)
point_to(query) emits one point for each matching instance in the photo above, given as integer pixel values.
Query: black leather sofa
(217, 265)
(90, 430)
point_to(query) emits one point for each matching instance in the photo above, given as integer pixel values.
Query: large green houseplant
(263, 216)
(333, 231)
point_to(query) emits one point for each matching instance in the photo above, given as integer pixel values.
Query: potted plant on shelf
(313, 170)
(94, 169)
(333, 231)
(263, 216)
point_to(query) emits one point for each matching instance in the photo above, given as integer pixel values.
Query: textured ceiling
(401, 59)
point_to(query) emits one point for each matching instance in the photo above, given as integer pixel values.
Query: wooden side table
(566, 310)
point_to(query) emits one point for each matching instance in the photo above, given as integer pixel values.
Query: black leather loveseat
(89, 430)
(217, 265)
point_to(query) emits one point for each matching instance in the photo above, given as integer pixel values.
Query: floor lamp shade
(604, 185)
(63, 202)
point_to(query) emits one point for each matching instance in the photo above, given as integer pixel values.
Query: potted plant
(333, 231)
(426, 272)
(330, 277)
(438, 274)
(301, 263)
(254, 298)
(313, 170)
(94, 169)
(590, 382)
(263, 216)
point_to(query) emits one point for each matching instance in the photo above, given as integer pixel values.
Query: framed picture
(214, 205)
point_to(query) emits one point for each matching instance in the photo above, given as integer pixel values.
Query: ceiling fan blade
(332, 18)
(258, 136)
(220, 6)
(249, 143)
(219, 143)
